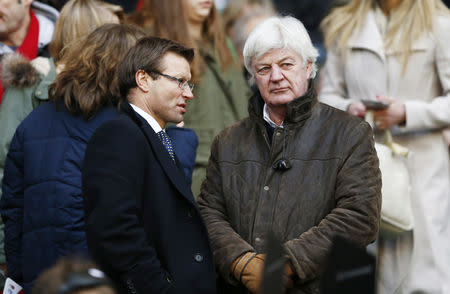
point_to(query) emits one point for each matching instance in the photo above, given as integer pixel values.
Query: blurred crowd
(58, 85)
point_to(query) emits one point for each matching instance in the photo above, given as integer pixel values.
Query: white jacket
(424, 88)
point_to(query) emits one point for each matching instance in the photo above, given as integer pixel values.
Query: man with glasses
(142, 223)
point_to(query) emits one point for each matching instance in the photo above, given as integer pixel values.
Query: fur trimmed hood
(19, 72)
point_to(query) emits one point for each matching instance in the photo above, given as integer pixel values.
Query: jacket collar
(126, 108)
(297, 112)
(370, 38)
(47, 17)
(173, 171)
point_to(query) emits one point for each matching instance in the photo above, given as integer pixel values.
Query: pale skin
(396, 113)
(14, 21)
(388, 5)
(161, 97)
(197, 12)
(281, 76)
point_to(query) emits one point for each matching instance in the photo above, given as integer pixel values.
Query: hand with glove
(248, 269)
(289, 274)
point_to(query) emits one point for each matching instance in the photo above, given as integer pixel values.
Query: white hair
(280, 33)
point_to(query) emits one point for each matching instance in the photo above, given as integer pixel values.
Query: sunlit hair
(280, 33)
(77, 19)
(168, 19)
(415, 15)
(88, 80)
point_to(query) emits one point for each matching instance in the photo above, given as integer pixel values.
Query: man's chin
(177, 119)
(281, 99)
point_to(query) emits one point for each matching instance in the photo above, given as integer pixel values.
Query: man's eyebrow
(261, 64)
(286, 58)
(180, 75)
(278, 61)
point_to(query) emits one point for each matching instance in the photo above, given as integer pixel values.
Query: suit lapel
(170, 168)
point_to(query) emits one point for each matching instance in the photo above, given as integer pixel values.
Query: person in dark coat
(42, 206)
(301, 169)
(143, 226)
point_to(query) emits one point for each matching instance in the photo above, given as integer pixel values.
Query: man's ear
(309, 68)
(143, 80)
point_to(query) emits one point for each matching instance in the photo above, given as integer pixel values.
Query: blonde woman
(77, 19)
(398, 52)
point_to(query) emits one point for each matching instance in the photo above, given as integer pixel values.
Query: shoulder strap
(222, 85)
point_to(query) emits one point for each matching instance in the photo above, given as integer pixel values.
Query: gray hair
(280, 33)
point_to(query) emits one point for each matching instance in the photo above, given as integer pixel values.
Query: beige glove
(248, 269)
(289, 273)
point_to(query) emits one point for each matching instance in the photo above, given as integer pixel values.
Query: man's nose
(187, 94)
(276, 74)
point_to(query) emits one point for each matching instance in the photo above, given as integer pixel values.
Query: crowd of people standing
(164, 143)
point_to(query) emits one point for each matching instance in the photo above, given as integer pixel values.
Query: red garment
(140, 4)
(29, 46)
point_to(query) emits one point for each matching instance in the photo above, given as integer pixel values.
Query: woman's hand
(393, 115)
(357, 109)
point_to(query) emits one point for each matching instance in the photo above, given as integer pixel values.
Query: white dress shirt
(268, 120)
(151, 121)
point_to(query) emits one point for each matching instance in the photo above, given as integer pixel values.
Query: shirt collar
(268, 120)
(151, 121)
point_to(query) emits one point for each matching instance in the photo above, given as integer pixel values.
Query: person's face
(281, 76)
(167, 101)
(12, 15)
(198, 10)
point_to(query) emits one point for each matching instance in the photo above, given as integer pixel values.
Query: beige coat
(369, 70)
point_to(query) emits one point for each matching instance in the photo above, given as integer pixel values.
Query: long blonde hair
(416, 15)
(77, 19)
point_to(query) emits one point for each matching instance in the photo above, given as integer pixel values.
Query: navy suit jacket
(143, 226)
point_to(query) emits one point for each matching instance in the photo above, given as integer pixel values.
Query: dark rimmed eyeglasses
(182, 83)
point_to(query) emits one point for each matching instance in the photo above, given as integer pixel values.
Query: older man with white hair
(304, 170)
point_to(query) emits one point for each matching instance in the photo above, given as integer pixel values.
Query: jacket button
(198, 257)
(191, 213)
(266, 188)
(257, 239)
(39, 93)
